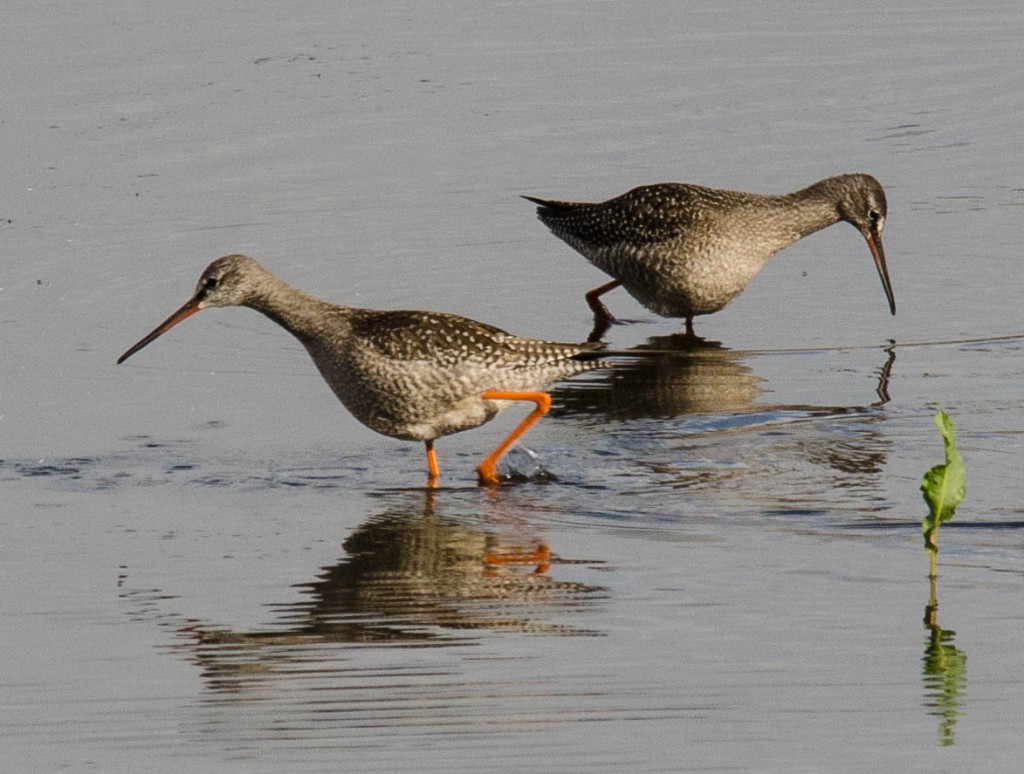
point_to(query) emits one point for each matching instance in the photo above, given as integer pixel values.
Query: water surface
(716, 560)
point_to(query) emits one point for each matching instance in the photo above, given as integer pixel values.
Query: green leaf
(943, 486)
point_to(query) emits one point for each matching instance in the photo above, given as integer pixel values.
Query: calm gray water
(207, 565)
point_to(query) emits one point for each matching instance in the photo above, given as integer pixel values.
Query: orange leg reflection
(541, 558)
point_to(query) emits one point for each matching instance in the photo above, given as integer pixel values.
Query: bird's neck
(303, 315)
(814, 207)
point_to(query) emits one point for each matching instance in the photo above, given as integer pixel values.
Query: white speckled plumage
(406, 374)
(684, 250)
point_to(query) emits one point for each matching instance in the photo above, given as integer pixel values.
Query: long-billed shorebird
(683, 250)
(410, 375)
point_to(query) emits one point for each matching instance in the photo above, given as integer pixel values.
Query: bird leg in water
(487, 473)
(600, 311)
(434, 470)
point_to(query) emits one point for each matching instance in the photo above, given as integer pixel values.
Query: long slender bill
(875, 245)
(187, 310)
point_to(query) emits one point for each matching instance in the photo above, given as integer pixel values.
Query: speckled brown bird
(406, 374)
(683, 250)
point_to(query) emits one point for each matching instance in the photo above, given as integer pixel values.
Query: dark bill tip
(878, 253)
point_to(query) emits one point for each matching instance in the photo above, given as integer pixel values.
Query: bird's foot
(601, 325)
(487, 475)
(517, 473)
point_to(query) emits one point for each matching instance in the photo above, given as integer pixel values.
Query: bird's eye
(210, 283)
(875, 217)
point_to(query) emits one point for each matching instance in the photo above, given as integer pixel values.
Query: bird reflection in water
(413, 578)
(671, 376)
(697, 389)
(666, 377)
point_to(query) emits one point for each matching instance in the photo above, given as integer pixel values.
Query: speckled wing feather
(449, 340)
(643, 216)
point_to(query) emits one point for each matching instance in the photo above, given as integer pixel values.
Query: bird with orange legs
(411, 375)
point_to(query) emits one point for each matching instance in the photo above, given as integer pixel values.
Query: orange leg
(487, 473)
(434, 470)
(593, 301)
